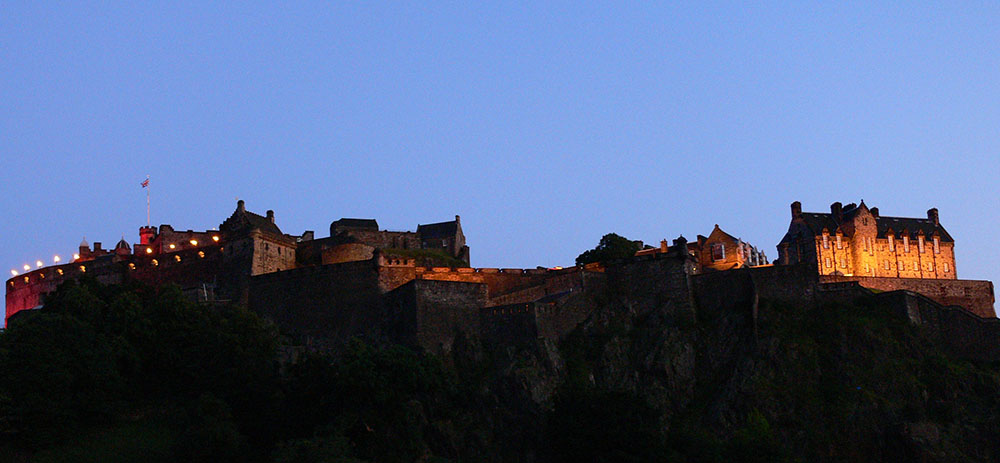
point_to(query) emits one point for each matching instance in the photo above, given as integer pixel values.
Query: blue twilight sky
(544, 126)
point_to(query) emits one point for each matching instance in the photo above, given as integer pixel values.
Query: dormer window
(906, 243)
(840, 245)
(826, 241)
(920, 244)
(892, 243)
(937, 245)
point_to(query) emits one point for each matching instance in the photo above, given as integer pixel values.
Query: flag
(145, 183)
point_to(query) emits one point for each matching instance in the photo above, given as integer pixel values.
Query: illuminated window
(83, 269)
(172, 246)
(59, 271)
(149, 250)
(215, 238)
(892, 244)
(937, 245)
(840, 245)
(718, 251)
(946, 269)
(194, 242)
(177, 258)
(920, 244)
(827, 262)
(201, 254)
(155, 262)
(826, 241)
(25, 279)
(906, 243)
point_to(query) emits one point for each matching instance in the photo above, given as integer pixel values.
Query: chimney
(663, 246)
(796, 210)
(836, 210)
(932, 214)
(458, 219)
(97, 246)
(270, 215)
(874, 212)
(241, 206)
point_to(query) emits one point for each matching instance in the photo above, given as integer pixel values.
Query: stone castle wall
(328, 303)
(975, 295)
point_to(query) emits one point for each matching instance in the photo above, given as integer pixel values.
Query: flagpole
(147, 201)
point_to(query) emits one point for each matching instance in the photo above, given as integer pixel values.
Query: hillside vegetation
(119, 374)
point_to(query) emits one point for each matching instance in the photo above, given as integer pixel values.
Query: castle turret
(147, 235)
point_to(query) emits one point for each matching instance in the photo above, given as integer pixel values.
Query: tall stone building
(854, 240)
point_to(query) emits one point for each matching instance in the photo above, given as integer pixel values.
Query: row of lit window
(870, 245)
(149, 250)
(887, 266)
(131, 266)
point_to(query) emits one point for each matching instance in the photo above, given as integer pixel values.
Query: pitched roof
(438, 230)
(911, 225)
(243, 219)
(356, 223)
(815, 222)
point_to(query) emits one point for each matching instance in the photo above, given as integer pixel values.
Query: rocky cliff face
(832, 383)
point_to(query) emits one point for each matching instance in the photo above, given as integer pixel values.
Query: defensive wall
(964, 333)
(321, 304)
(975, 295)
(656, 282)
(431, 314)
(552, 318)
(194, 270)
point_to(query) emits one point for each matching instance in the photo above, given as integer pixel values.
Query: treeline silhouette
(136, 373)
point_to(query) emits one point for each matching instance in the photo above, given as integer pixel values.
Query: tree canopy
(611, 247)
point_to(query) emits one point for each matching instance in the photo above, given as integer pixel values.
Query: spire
(84, 243)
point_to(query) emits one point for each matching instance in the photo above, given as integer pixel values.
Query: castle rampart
(976, 296)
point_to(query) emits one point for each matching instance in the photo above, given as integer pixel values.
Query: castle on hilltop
(417, 287)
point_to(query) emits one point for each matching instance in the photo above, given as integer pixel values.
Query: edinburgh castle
(418, 288)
